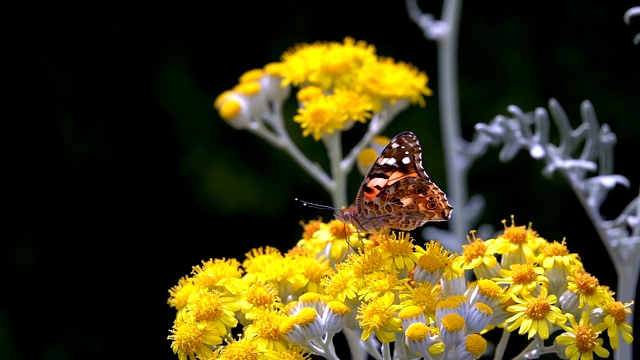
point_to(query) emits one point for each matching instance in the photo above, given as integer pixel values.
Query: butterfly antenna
(316, 206)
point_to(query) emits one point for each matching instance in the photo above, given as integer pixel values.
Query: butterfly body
(397, 193)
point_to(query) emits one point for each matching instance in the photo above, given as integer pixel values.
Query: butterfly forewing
(397, 193)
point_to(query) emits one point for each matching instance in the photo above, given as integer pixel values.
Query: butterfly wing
(397, 192)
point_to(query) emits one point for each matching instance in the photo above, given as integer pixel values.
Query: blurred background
(125, 176)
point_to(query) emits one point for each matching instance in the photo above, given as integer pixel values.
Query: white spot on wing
(406, 160)
(389, 161)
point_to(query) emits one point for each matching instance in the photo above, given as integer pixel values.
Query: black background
(123, 177)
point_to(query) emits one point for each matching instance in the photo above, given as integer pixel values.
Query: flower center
(586, 339)
(538, 309)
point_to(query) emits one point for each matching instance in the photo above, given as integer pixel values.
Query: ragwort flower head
(388, 81)
(191, 339)
(535, 315)
(587, 287)
(266, 329)
(379, 317)
(517, 244)
(211, 307)
(582, 339)
(224, 275)
(558, 264)
(326, 64)
(479, 256)
(616, 316)
(434, 262)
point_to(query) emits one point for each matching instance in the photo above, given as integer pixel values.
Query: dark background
(122, 176)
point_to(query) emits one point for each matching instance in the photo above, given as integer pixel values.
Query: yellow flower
(355, 106)
(326, 64)
(309, 93)
(581, 339)
(245, 348)
(258, 295)
(522, 278)
(588, 288)
(179, 294)
(343, 284)
(479, 256)
(387, 80)
(193, 339)
(535, 315)
(224, 275)
(420, 339)
(489, 292)
(267, 331)
(616, 320)
(379, 283)
(320, 116)
(313, 271)
(517, 244)
(557, 262)
(433, 262)
(378, 317)
(217, 310)
(329, 240)
(399, 249)
(423, 295)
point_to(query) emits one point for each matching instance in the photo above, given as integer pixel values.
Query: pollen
(516, 234)
(586, 339)
(410, 312)
(206, 306)
(309, 228)
(230, 109)
(309, 93)
(451, 303)
(251, 75)
(274, 69)
(586, 284)
(474, 250)
(261, 295)
(430, 263)
(483, 308)
(268, 326)
(417, 332)
(453, 322)
(309, 298)
(618, 311)
(287, 324)
(248, 88)
(537, 309)
(338, 307)
(306, 316)
(475, 344)
(523, 274)
(337, 229)
(188, 337)
(180, 293)
(554, 249)
(490, 289)
(426, 297)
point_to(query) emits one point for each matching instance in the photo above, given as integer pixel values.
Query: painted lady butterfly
(397, 193)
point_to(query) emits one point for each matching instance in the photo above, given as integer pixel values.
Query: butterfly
(397, 193)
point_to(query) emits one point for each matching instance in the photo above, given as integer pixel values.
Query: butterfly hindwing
(397, 193)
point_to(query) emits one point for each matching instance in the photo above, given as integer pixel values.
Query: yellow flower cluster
(339, 83)
(290, 306)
